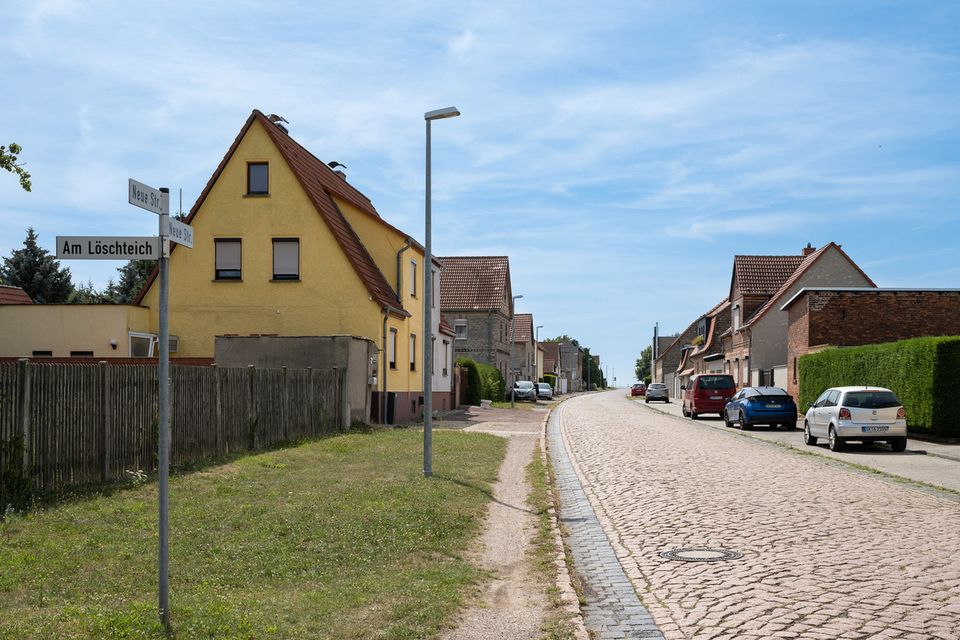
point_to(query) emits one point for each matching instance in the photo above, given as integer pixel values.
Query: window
(413, 277)
(286, 259)
(227, 259)
(460, 327)
(141, 345)
(81, 354)
(413, 352)
(736, 317)
(446, 355)
(258, 178)
(392, 349)
(43, 354)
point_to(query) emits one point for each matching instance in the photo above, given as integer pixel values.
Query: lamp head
(440, 114)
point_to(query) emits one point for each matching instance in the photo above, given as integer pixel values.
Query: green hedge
(492, 384)
(473, 380)
(923, 372)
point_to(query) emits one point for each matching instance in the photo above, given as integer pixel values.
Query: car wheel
(726, 420)
(834, 441)
(646, 400)
(683, 410)
(694, 415)
(898, 444)
(741, 424)
(808, 437)
(789, 426)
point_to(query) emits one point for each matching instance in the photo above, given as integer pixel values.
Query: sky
(620, 153)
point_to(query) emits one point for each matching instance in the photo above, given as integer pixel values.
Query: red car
(638, 389)
(707, 393)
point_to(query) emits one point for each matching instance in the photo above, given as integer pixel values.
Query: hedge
(473, 380)
(492, 384)
(923, 372)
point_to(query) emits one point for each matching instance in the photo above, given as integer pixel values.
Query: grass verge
(556, 625)
(339, 538)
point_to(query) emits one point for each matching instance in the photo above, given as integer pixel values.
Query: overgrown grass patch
(339, 538)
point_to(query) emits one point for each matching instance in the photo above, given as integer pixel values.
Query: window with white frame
(460, 327)
(392, 349)
(413, 352)
(227, 258)
(446, 356)
(413, 277)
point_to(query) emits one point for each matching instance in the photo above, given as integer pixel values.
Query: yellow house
(284, 245)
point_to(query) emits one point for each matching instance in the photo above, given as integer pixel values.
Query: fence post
(23, 369)
(107, 420)
(217, 412)
(344, 392)
(251, 407)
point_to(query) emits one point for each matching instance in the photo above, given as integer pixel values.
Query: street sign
(140, 195)
(179, 232)
(108, 248)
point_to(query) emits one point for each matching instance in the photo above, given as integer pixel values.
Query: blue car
(761, 405)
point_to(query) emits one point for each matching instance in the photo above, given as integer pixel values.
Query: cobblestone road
(827, 552)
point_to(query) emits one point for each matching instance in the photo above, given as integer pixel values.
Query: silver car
(524, 390)
(544, 390)
(867, 414)
(657, 391)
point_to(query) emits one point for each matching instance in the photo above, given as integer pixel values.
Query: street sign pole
(164, 393)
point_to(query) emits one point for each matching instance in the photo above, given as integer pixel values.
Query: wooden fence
(70, 424)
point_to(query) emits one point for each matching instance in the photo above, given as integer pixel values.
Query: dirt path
(514, 603)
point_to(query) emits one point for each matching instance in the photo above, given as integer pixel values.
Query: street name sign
(179, 232)
(108, 247)
(140, 195)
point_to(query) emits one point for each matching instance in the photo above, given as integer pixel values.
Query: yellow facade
(59, 330)
(329, 298)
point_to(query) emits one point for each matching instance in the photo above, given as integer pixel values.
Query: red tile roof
(475, 282)
(13, 295)
(523, 327)
(320, 183)
(807, 263)
(551, 350)
(763, 275)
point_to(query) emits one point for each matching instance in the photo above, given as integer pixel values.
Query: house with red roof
(755, 345)
(524, 347)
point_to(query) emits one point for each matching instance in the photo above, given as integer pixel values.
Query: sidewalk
(930, 463)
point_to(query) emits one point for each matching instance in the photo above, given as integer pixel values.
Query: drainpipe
(407, 245)
(386, 361)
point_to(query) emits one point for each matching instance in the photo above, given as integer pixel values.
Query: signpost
(146, 248)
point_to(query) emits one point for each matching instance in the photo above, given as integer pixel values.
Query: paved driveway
(828, 551)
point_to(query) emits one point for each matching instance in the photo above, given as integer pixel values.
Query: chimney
(807, 250)
(341, 173)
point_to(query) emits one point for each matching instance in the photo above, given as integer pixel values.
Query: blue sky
(620, 153)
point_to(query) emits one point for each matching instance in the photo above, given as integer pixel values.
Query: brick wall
(798, 342)
(485, 341)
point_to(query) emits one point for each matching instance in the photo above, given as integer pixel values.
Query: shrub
(473, 380)
(492, 384)
(923, 372)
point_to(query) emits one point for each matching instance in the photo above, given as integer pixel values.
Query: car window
(871, 399)
(715, 382)
(831, 400)
(822, 399)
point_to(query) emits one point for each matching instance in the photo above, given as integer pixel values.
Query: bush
(492, 384)
(473, 380)
(923, 372)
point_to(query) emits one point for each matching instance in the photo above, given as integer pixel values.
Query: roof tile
(13, 295)
(474, 282)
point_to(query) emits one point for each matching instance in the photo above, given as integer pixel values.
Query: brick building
(477, 299)
(821, 317)
(524, 346)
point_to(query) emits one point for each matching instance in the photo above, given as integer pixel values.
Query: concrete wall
(319, 352)
(62, 328)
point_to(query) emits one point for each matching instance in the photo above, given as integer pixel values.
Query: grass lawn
(338, 538)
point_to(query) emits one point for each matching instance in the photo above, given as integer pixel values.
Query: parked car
(761, 405)
(867, 414)
(524, 390)
(544, 390)
(707, 393)
(638, 389)
(656, 391)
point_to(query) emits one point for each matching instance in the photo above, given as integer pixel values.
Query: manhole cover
(701, 554)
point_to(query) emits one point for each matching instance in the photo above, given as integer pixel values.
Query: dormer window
(258, 178)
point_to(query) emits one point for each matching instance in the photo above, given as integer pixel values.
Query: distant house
(551, 366)
(13, 295)
(524, 347)
(571, 365)
(704, 354)
(476, 297)
(755, 349)
(821, 317)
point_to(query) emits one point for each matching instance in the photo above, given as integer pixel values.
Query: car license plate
(874, 428)
(774, 406)
(716, 397)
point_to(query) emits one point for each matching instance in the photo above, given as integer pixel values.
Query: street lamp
(536, 355)
(513, 329)
(429, 116)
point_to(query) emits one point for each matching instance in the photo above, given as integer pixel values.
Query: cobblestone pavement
(612, 609)
(828, 552)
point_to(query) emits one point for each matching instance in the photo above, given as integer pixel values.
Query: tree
(37, 272)
(642, 369)
(591, 371)
(133, 276)
(86, 293)
(8, 161)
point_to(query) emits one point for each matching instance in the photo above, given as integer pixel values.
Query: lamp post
(513, 329)
(536, 355)
(429, 116)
